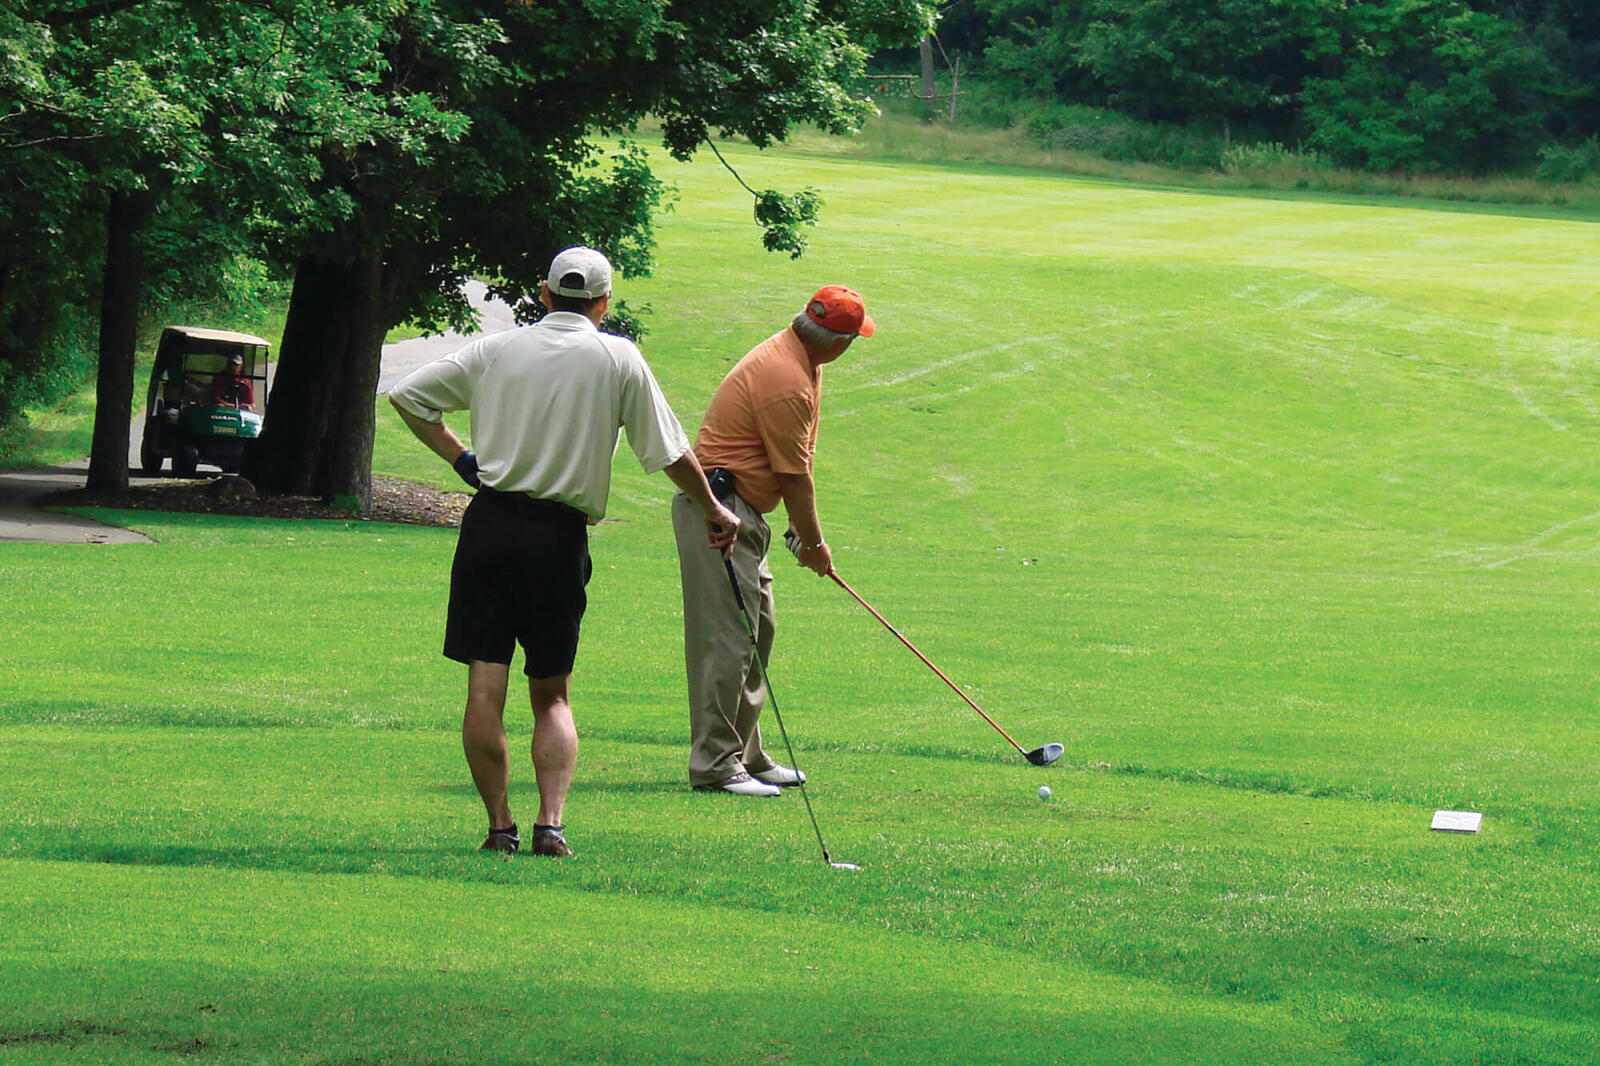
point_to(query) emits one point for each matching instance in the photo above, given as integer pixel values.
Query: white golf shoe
(740, 784)
(779, 774)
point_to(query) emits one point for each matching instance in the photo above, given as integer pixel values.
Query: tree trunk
(955, 86)
(317, 436)
(927, 67)
(121, 284)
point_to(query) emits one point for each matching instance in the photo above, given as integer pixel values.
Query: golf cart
(205, 392)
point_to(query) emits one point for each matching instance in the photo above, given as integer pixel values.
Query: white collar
(568, 320)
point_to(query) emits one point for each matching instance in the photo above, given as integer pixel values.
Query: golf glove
(466, 465)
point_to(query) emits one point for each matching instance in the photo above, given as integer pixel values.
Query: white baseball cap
(580, 272)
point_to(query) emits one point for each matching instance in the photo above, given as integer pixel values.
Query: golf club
(1041, 756)
(749, 627)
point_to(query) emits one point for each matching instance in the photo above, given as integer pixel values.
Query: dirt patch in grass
(393, 500)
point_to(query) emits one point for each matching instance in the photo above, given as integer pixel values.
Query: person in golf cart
(230, 387)
(755, 443)
(200, 406)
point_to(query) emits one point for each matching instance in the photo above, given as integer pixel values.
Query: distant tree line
(376, 153)
(1457, 86)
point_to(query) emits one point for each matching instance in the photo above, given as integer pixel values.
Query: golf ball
(1044, 792)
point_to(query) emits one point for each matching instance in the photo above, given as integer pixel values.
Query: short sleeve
(440, 386)
(654, 433)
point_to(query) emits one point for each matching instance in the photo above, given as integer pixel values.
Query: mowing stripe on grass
(269, 967)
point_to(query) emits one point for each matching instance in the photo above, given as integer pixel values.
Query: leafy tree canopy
(381, 151)
(515, 174)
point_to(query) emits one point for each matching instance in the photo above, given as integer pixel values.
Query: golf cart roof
(212, 336)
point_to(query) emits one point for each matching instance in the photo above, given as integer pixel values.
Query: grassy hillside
(1280, 514)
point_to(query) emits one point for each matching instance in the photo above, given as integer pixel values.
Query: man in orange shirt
(755, 444)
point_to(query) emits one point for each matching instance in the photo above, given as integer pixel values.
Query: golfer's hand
(818, 558)
(722, 529)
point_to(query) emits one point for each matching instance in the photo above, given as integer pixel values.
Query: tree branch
(20, 145)
(729, 165)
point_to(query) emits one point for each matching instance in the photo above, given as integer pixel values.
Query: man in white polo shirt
(547, 402)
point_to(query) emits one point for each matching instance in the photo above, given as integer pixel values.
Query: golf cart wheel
(186, 460)
(149, 460)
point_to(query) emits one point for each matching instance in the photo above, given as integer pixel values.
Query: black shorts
(519, 574)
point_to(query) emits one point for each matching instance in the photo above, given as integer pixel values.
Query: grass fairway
(1283, 515)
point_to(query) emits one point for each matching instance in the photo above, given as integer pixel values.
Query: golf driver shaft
(749, 627)
(956, 688)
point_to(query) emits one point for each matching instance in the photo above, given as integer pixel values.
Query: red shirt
(233, 390)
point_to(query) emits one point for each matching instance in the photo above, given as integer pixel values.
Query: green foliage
(45, 283)
(1030, 48)
(1430, 86)
(904, 134)
(103, 98)
(1184, 60)
(1414, 85)
(499, 192)
(781, 218)
(624, 321)
(1116, 136)
(515, 179)
(1570, 163)
(606, 199)
(441, 139)
(58, 359)
(1270, 157)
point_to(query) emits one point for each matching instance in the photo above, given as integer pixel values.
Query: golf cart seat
(196, 388)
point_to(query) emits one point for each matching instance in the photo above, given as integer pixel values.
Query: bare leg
(555, 744)
(483, 738)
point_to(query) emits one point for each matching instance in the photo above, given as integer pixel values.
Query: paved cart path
(21, 519)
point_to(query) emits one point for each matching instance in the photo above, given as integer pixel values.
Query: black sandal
(547, 840)
(502, 840)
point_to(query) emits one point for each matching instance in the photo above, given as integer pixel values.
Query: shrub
(983, 105)
(55, 363)
(1076, 128)
(1271, 157)
(1569, 164)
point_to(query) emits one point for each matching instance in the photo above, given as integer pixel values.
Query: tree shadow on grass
(621, 788)
(456, 857)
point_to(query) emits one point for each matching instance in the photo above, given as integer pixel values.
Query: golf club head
(844, 865)
(1046, 755)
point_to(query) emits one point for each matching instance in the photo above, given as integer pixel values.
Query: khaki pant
(725, 687)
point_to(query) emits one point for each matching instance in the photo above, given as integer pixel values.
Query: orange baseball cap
(841, 310)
